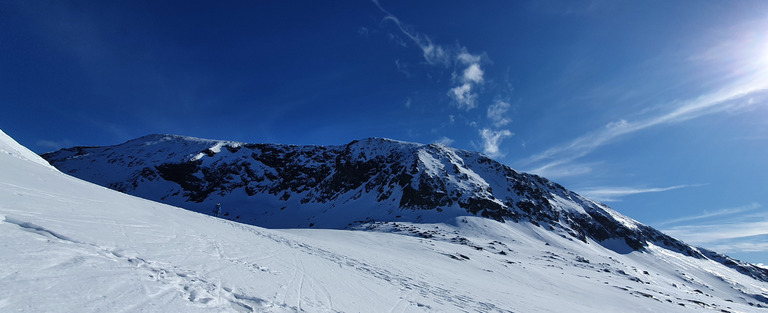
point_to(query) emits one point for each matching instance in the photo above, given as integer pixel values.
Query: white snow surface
(71, 246)
(9, 147)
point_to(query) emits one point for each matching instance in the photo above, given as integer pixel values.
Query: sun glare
(763, 54)
(749, 56)
(757, 49)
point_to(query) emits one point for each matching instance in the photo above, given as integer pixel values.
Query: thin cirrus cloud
(718, 213)
(610, 194)
(743, 228)
(748, 92)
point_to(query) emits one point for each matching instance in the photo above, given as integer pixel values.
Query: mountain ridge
(364, 181)
(73, 246)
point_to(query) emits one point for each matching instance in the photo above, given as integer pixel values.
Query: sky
(656, 108)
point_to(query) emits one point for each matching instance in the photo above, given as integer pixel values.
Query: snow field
(71, 246)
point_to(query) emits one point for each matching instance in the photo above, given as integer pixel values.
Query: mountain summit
(364, 182)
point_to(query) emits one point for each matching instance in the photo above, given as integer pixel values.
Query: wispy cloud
(496, 113)
(738, 229)
(473, 74)
(402, 68)
(468, 74)
(748, 92)
(467, 58)
(468, 78)
(719, 232)
(54, 145)
(433, 54)
(706, 214)
(444, 141)
(566, 8)
(754, 244)
(740, 49)
(572, 169)
(465, 95)
(362, 31)
(492, 139)
(609, 194)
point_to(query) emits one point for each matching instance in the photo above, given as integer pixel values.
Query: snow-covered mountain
(71, 246)
(355, 185)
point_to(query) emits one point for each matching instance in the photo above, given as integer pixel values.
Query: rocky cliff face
(339, 186)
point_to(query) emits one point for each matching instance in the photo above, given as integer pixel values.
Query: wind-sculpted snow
(71, 246)
(371, 180)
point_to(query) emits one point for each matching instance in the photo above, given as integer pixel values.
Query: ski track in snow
(198, 290)
(421, 286)
(206, 293)
(205, 289)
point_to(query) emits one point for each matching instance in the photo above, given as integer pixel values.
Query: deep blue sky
(657, 108)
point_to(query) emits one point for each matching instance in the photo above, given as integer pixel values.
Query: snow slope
(71, 246)
(364, 181)
(11, 148)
